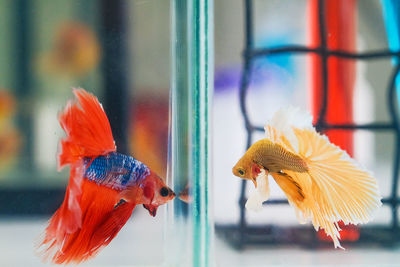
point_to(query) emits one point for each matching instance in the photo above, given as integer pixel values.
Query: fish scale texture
(115, 170)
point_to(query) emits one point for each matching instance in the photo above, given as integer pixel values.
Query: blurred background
(120, 50)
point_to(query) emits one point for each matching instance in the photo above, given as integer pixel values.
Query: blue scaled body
(115, 170)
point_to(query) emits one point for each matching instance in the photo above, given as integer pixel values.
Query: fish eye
(241, 172)
(164, 192)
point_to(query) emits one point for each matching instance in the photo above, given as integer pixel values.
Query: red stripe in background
(341, 18)
(341, 30)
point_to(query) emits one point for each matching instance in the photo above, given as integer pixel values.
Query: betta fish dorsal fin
(87, 128)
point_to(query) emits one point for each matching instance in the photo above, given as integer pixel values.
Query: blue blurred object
(265, 70)
(391, 16)
(226, 78)
(282, 61)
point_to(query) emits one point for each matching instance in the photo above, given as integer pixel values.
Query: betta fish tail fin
(87, 128)
(102, 219)
(335, 187)
(68, 218)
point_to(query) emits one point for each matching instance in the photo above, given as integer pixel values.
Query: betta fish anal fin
(84, 243)
(290, 187)
(111, 225)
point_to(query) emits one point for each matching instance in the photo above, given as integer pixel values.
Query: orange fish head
(155, 193)
(246, 168)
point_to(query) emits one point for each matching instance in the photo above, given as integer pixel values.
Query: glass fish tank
(199, 133)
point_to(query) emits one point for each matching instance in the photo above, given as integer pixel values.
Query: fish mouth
(152, 209)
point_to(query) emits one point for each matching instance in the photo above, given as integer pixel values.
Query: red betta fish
(104, 186)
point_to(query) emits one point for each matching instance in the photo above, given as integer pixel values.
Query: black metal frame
(243, 233)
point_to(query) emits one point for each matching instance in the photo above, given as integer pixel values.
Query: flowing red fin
(68, 217)
(87, 127)
(101, 221)
(111, 226)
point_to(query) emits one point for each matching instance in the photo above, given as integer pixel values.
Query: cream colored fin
(287, 117)
(335, 186)
(272, 134)
(350, 190)
(312, 208)
(280, 128)
(260, 194)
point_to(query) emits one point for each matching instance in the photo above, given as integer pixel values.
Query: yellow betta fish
(320, 180)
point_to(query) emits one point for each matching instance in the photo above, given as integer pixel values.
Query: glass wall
(169, 75)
